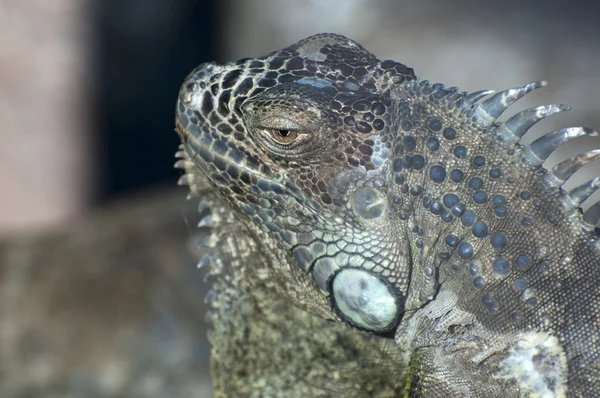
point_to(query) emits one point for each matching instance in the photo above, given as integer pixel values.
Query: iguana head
(372, 189)
(300, 143)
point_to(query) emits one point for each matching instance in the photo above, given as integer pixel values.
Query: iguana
(374, 234)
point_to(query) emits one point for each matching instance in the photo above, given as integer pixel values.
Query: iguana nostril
(365, 300)
(368, 203)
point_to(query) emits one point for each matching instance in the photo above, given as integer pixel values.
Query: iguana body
(378, 235)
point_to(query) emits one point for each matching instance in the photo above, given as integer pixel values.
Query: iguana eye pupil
(284, 137)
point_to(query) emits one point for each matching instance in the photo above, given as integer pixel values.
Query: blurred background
(99, 294)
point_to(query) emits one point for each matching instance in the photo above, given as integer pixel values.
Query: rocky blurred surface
(110, 307)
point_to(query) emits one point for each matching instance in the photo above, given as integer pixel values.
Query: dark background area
(144, 51)
(99, 293)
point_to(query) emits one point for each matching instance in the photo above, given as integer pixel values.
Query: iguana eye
(284, 137)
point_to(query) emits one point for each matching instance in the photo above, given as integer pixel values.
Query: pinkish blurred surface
(46, 165)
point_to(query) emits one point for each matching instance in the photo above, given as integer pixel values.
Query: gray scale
(475, 183)
(479, 161)
(480, 229)
(457, 175)
(489, 303)
(410, 143)
(465, 250)
(460, 151)
(437, 174)
(450, 200)
(500, 211)
(498, 200)
(446, 216)
(480, 197)
(458, 209)
(474, 267)
(433, 144)
(520, 284)
(523, 261)
(452, 240)
(499, 241)
(527, 222)
(501, 266)
(436, 208)
(322, 270)
(479, 282)
(468, 218)
(449, 133)
(495, 173)
(418, 162)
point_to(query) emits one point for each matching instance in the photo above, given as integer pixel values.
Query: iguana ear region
(366, 300)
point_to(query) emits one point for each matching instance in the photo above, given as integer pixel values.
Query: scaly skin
(378, 235)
